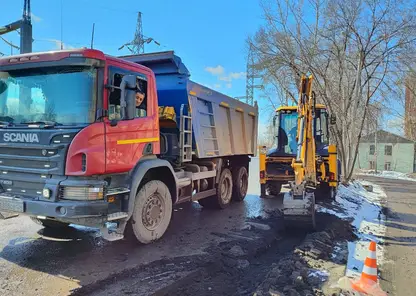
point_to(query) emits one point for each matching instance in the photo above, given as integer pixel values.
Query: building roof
(385, 137)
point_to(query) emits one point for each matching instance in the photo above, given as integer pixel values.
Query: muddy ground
(261, 258)
(231, 252)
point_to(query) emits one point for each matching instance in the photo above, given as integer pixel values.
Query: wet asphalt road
(399, 269)
(32, 265)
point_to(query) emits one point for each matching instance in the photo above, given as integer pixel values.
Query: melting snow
(321, 274)
(363, 209)
(388, 175)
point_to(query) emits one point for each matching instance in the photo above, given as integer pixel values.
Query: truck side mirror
(332, 119)
(128, 97)
(274, 120)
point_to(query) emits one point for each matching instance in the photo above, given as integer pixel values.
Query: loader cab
(285, 124)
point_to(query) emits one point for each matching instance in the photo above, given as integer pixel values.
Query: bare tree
(349, 46)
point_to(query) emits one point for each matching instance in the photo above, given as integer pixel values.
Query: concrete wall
(401, 160)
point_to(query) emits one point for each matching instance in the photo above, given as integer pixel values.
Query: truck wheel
(152, 212)
(240, 183)
(49, 223)
(224, 192)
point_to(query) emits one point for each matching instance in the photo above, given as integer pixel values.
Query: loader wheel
(222, 199)
(262, 190)
(273, 188)
(49, 223)
(152, 212)
(240, 183)
(327, 192)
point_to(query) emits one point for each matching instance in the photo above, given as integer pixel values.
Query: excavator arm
(304, 164)
(299, 203)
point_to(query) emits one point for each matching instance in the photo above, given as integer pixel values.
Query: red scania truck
(114, 143)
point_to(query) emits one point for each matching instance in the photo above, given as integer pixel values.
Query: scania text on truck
(114, 143)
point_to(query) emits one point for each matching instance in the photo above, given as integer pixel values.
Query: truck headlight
(81, 193)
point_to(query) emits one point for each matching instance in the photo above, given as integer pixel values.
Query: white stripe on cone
(370, 270)
(372, 255)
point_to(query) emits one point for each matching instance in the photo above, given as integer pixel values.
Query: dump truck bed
(221, 125)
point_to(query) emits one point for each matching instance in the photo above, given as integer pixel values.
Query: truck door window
(114, 111)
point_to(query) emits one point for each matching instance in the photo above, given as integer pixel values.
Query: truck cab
(82, 141)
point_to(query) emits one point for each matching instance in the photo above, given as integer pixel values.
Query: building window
(387, 166)
(372, 149)
(388, 150)
(372, 165)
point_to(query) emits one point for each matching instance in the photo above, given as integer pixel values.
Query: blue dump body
(221, 125)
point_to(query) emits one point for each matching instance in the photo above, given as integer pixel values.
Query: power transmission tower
(25, 25)
(137, 45)
(138, 42)
(252, 75)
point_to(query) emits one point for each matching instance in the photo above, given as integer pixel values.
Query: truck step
(117, 216)
(111, 235)
(117, 190)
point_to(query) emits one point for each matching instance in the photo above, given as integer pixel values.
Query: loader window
(114, 111)
(321, 127)
(287, 131)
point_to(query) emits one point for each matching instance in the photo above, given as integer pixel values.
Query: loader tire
(49, 223)
(262, 190)
(152, 212)
(327, 192)
(222, 198)
(273, 188)
(240, 183)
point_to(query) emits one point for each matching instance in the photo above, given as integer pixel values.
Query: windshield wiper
(5, 123)
(44, 124)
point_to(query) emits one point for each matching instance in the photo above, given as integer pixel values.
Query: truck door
(128, 140)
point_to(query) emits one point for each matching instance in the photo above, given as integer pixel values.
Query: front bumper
(62, 210)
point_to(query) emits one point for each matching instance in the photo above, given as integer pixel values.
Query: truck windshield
(64, 96)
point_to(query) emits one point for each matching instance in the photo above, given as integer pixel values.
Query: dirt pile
(308, 267)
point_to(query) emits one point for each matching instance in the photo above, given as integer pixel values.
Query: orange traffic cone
(368, 277)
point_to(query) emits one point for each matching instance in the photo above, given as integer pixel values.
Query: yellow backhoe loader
(302, 157)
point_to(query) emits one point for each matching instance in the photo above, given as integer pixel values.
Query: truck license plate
(11, 204)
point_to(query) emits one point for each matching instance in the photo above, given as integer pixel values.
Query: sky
(209, 36)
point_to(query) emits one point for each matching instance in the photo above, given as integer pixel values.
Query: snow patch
(388, 175)
(320, 274)
(363, 209)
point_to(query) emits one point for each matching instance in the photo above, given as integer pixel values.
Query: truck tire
(240, 183)
(152, 212)
(49, 223)
(222, 199)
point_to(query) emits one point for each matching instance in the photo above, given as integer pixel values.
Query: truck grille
(26, 167)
